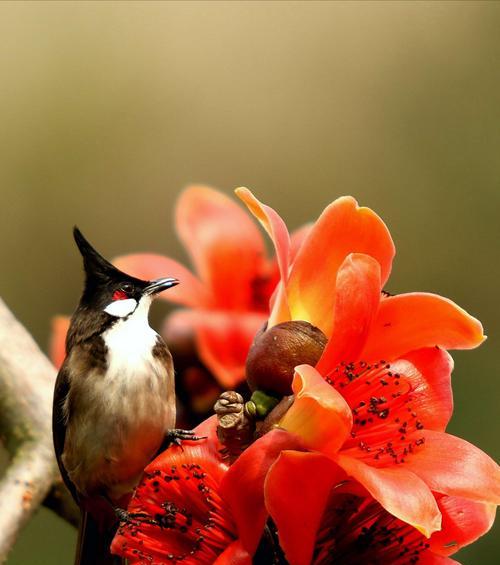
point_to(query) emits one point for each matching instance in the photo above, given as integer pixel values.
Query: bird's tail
(94, 542)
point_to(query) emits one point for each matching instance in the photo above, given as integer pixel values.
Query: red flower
(187, 507)
(191, 508)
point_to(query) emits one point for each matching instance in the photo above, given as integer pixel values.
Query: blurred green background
(108, 109)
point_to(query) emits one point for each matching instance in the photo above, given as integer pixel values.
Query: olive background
(109, 109)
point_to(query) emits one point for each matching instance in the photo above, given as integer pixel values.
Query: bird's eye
(119, 295)
(123, 292)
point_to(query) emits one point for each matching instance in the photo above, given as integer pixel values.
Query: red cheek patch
(119, 295)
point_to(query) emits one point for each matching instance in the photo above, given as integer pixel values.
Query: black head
(106, 285)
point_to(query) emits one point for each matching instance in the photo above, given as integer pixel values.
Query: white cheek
(121, 308)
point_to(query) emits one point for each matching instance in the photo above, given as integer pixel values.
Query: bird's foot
(121, 514)
(127, 517)
(176, 437)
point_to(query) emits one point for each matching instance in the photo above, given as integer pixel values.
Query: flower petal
(464, 521)
(296, 491)
(428, 371)
(57, 345)
(179, 518)
(225, 245)
(208, 449)
(179, 328)
(297, 238)
(150, 266)
(428, 558)
(319, 414)
(277, 231)
(223, 341)
(453, 466)
(234, 554)
(342, 228)
(411, 321)
(243, 485)
(357, 298)
(400, 492)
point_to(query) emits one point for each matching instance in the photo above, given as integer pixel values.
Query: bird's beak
(159, 285)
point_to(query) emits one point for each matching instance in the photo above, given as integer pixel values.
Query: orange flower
(334, 282)
(361, 467)
(385, 431)
(57, 345)
(379, 399)
(324, 516)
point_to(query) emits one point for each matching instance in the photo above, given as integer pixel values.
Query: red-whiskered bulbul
(114, 399)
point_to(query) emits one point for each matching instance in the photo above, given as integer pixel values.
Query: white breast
(130, 343)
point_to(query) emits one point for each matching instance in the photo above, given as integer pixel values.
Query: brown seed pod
(277, 351)
(236, 425)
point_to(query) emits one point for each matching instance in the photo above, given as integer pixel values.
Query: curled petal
(400, 492)
(225, 245)
(296, 490)
(412, 321)
(297, 237)
(57, 345)
(357, 299)
(453, 466)
(150, 266)
(277, 231)
(342, 228)
(243, 485)
(428, 371)
(319, 414)
(464, 521)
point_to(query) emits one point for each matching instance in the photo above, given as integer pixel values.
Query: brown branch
(22, 489)
(26, 386)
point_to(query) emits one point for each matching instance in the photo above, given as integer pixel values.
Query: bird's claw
(127, 517)
(177, 436)
(121, 514)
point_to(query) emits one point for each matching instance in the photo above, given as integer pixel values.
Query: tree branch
(26, 387)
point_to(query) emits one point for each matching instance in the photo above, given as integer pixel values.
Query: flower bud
(277, 351)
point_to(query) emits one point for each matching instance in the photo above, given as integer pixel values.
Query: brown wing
(59, 423)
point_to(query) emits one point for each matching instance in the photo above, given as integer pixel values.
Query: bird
(114, 397)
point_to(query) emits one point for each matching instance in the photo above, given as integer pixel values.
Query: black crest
(100, 273)
(93, 262)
